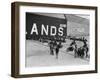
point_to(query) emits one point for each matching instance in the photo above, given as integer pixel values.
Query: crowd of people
(54, 47)
(81, 51)
(78, 51)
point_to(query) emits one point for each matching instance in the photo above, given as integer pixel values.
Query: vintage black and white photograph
(51, 39)
(54, 39)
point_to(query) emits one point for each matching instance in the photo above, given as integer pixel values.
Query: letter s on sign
(60, 31)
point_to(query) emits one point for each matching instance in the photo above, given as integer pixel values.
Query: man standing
(74, 45)
(58, 46)
(85, 46)
(51, 47)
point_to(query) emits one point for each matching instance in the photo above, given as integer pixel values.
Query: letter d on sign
(53, 31)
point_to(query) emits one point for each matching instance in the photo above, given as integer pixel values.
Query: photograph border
(15, 32)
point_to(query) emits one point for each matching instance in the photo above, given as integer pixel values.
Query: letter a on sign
(34, 29)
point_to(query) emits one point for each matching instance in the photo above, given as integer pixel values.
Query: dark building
(45, 27)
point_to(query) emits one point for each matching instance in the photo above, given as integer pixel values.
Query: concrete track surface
(38, 55)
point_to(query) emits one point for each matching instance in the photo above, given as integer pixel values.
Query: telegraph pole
(66, 23)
